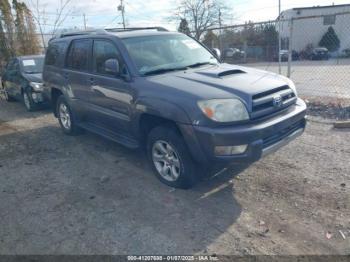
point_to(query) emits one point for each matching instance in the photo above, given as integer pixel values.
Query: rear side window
(77, 58)
(54, 52)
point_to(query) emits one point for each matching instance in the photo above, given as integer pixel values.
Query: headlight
(36, 86)
(224, 110)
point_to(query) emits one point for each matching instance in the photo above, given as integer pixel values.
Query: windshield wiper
(201, 64)
(31, 72)
(163, 70)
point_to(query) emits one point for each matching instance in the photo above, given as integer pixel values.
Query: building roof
(321, 7)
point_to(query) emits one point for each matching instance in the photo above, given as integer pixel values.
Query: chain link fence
(313, 51)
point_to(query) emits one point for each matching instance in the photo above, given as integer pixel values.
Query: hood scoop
(222, 73)
(230, 72)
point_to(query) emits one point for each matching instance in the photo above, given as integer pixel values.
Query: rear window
(78, 55)
(54, 52)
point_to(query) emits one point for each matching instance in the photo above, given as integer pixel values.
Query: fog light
(230, 150)
(37, 97)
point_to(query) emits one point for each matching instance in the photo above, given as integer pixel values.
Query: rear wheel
(65, 117)
(170, 157)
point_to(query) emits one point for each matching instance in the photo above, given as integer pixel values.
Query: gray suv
(169, 93)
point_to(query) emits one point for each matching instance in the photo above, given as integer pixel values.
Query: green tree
(7, 25)
(4, 54)
(330, 40)
(183, 27)
(31, 34)
(211, 40)
(20, 28)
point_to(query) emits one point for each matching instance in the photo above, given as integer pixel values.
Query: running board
(120, 139)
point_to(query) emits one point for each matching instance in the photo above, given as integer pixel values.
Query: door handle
(91, 81)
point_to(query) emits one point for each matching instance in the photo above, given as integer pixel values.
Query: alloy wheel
(65, 116)
(166, 160)
(26, 101)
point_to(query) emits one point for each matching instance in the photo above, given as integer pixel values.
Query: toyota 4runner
(168, 92)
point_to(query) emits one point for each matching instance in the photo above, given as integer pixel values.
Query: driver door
(110, 96)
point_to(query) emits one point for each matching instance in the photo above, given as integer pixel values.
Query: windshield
(33, 65)
(162, 53)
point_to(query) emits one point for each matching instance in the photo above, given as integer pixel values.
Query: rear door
(77, 75)
(111, 95)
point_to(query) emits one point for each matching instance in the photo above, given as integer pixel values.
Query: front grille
(276, 137)
(263, 104)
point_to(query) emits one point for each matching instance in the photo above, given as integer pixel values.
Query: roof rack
(158, 28)
(107, 30)
(86, 32)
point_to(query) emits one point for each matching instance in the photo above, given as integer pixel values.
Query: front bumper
(262, 137)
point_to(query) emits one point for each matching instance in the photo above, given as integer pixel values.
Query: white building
(311, 23)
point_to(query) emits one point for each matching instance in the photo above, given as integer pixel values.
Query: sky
(104, 13)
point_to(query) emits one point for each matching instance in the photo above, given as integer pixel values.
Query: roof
(130, 34)
(30, 56)
(320, 7)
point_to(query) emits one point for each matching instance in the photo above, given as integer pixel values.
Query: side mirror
(112, 66)
(217, 52)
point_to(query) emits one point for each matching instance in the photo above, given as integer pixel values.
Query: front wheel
(66, 118)
(28, 101)
(170, 157)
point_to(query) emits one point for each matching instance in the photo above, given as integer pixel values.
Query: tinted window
(103, 50)
(53, 53)
(78, 55)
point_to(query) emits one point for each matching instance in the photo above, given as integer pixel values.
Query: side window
(10, 65)
(78, 55)
(53, 53)
(16, 66)
(102, 51)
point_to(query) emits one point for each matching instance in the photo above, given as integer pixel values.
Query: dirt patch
(85, 195)
(332, 110)
(6, 128)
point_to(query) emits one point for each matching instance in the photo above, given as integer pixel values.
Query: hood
(221, 81)
(38, 78)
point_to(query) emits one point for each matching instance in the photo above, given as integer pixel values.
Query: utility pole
(279, 38)
(220, 32)
(122, 9)
(84, 21)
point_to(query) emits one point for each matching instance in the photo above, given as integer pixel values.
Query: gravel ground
(86, 195)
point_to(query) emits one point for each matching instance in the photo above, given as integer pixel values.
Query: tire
(167, 149)
(66, 118)
(28, 100)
